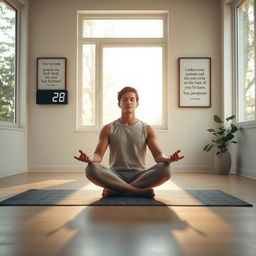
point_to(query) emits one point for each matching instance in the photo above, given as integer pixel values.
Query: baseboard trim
(244, 172)
(56, 169)
(238, 171)
(11, 172)
(193, 169)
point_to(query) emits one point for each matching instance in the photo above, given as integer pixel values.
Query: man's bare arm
(156, 151)
(100, 148)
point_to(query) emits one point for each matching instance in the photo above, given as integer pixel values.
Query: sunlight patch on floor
(47, 184)
(59, 226)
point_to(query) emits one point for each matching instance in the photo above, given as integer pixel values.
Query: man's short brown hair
(125, 90)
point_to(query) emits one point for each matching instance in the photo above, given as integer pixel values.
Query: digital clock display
(52, 97)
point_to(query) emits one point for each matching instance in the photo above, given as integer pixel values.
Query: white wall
(244, 155)
(13, 141)
(194, 31)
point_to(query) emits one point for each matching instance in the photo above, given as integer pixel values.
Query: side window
(246, 61)
(8, 63)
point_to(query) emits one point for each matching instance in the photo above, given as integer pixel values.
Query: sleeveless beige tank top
(127, 146)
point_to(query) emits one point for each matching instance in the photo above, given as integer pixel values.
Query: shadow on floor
(125, 230)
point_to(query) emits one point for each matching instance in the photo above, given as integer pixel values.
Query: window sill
(97, 130)
(10, 127)
(247, 125)
(87, 130)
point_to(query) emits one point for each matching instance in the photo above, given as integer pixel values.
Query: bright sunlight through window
(123, 28)
(140, 67)
(8, 26)
(246, 61)
(113, 53)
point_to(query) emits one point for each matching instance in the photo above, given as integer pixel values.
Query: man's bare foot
(149, 193)
(108, 192)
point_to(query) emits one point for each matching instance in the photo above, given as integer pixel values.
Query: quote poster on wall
(51, 73)
(195, 82)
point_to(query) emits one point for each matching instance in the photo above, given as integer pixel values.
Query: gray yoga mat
(37, 197)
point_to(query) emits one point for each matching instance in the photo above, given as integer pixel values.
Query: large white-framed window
(9, 40)
(245, 62)
(117, 49)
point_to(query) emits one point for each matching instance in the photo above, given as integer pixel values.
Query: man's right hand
(84, 157)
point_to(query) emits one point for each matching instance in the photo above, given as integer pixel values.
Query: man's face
(128, 102)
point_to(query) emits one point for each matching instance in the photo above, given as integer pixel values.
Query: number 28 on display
(59, 97)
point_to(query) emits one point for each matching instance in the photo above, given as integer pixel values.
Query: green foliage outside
(7, 62)
(247, 62)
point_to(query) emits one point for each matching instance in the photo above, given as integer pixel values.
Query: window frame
(16, 124)
(251, 123)
(100, 43)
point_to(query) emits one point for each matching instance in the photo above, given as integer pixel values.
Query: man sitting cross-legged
(128, 138)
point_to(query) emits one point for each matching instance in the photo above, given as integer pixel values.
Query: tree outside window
(246, 61)
(7, 62)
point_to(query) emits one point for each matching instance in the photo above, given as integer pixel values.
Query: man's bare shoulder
(105, 130)
(150, 130)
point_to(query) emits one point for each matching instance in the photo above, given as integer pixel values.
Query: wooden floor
(128, 231)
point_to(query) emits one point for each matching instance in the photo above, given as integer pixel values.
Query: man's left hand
(174, 157)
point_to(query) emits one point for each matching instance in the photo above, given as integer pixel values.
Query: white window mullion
(165, 88)
(79, 91)
(79, 87)
(98, 85)
(123, 40)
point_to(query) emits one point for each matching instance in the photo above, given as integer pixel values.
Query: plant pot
(222, 163)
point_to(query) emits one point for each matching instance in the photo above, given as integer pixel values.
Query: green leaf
(230, 118)
(204, 149)
(233, 128)
(221, 132)
(209, 148)
(220, 140)
(217, 119)
(233, 141)
(229, 136)
(211, 130)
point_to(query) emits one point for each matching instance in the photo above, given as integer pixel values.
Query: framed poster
(51, 73)
(51, 81)
(194, 82)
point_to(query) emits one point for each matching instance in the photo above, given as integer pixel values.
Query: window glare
(139, 67)
(246, 62)
(117, 50)
(7, 63)
(88, 88)
(123, 28)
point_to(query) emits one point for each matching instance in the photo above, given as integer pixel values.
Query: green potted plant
(222, 137)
